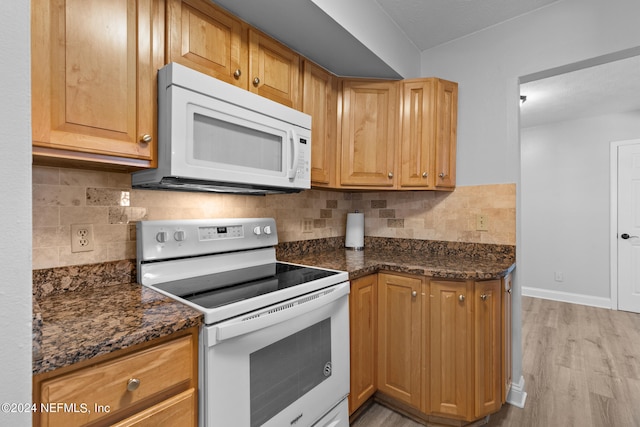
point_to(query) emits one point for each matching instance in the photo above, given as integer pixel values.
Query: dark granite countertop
(82, 312)
(87, 321)
(450, 261)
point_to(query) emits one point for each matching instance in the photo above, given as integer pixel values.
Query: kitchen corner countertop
(79, 324)
(371, 260)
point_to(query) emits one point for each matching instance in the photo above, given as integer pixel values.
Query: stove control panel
(156, 240)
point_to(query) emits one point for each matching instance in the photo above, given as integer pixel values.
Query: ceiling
(308, 29)
(429, 23)
(613, 87)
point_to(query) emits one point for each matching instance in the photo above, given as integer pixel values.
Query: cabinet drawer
(105, 385)
(178, 411)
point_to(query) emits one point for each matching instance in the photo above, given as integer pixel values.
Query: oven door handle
(276, 314)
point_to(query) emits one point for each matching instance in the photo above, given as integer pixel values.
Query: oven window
(285, 370)
(234, 145)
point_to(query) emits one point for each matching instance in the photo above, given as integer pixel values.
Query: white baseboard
(517, 396)
(567, 297)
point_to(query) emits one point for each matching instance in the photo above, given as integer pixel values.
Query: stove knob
(267, 229)
(179, 236)
(256, 230)
(161, 237)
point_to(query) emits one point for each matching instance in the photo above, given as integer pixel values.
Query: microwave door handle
(291, 173)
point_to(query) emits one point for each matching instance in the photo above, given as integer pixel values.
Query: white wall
(15, 215)
(565, 206)
(487, 66)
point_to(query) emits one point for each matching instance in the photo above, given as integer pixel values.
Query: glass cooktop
(220, 289)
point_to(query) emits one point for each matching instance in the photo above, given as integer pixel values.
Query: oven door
(285, 365)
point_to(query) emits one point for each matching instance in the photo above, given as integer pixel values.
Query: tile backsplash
(62, 197)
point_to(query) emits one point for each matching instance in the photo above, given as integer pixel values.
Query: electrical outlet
(81, 237)
(482, 223)
(559, 276)
(307, 225)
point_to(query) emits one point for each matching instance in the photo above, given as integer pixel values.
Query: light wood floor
(581, 367)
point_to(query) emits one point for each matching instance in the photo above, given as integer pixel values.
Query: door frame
(613, 221)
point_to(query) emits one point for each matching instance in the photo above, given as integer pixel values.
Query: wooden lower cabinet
(507, 320)
(450, 348)
(487, 347)
(399, 335)
(155, 384)
(363, 316)
(444, 350)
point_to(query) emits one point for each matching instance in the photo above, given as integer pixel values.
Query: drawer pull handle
(133, 384)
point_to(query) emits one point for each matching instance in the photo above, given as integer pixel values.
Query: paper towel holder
(354, 235)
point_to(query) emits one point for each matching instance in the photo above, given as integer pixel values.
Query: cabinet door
(320, 101)
(450, 364)
(506, 336)
(417, 148)
(399, 331)
(369, 115)
(274, 70)
(205, 38)
(179, 410)
(446, 119)
(94, 79)
(363, 308)
(487, 321)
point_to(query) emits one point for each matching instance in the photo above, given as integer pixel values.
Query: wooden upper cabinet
(446, 122)
(369, 115)
(274, 70)
(428, 134)
(416, 139)
(206, 38)
(319, 100)
(94, 68)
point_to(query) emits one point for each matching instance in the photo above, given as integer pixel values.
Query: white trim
(517, 396)
(613, 219)
(567, 297)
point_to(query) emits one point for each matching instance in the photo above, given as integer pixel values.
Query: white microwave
(213, 136)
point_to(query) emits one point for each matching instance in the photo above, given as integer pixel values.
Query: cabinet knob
(424, 174)
(390, 175)
(237, 73)
(414, 294)
(483, 297)
(442, 175)
(146, 138)
(256, 82)
(461, 298)
(133, 384)
(509, 290)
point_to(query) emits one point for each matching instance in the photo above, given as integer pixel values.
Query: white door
(629, 227)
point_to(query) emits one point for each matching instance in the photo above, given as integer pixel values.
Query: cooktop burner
(216, 290)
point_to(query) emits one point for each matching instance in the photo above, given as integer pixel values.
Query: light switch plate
(482, 223)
